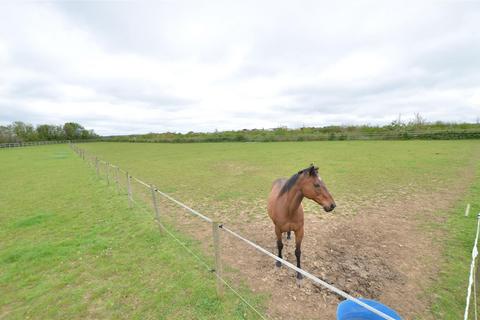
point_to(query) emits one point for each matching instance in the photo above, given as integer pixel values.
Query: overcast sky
(138, 67)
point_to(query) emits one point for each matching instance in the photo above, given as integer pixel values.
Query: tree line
(418, 128)
(396, 130)
(19, 131)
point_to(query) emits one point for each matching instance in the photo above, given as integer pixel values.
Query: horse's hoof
(299, 281)
(278, 264)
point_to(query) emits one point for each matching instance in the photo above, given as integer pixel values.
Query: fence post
(107, 169)
(155, 206)
(129, 189)
(116, 178)
(96, 166)
(218, 259)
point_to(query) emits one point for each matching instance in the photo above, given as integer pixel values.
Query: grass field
(72, 244)
(222, 177)
(449, 290)
(70, 248)
(226, 179)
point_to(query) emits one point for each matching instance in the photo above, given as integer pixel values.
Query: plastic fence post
(116, 178)
(129, 190)
(155, 205)
(218, 259)
(107, 169)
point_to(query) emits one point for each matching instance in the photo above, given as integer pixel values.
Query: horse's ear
(312, 171)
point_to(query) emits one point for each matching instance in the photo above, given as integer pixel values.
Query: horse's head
(315, 189)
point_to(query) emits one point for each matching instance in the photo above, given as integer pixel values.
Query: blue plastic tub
(349, 310)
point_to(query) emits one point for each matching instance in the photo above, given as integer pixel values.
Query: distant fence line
(31, 143)
(271, 136)
(41, 143)
(216, 227)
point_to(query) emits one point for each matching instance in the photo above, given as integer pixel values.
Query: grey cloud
(30, 88)
(457, 65)
(153, 29)
(152, 96)
(13, 111)
(133, 93)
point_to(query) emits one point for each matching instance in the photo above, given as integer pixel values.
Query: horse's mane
(293, 179)
(289, 184)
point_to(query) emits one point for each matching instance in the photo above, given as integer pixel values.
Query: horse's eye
(316, 185)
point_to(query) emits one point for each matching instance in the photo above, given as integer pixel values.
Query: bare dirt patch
(383, 252)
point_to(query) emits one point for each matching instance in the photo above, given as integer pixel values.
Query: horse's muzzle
(328, 209)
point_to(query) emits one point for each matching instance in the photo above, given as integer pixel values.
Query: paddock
(359, 249)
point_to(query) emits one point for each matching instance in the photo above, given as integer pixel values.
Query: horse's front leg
(298, 251)
(278, 232)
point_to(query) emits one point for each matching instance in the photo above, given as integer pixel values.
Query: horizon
(410, 122)
(301, 127)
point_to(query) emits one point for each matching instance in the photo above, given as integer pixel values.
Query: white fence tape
(472, 270)
(141, 182)
(185, 207)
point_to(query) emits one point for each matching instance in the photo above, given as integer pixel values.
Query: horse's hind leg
(279, 245)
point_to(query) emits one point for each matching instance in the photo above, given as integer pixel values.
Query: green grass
(222, 177)
(228, 178)
(70, 248)
(450, 289)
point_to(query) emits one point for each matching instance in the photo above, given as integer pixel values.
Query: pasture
(70, 248)
(398, 233)
(388, 238)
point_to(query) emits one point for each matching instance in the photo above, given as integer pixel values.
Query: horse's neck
(294, 199)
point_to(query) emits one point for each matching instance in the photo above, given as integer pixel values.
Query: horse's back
(277, 186)
(279, 181)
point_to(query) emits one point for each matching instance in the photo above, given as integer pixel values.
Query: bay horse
(286, 210)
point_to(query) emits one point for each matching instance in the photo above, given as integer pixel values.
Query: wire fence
(148, 194)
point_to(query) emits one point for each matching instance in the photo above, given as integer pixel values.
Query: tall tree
(24, 131)
(7, 134)
(45, 132)
(72, 130)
